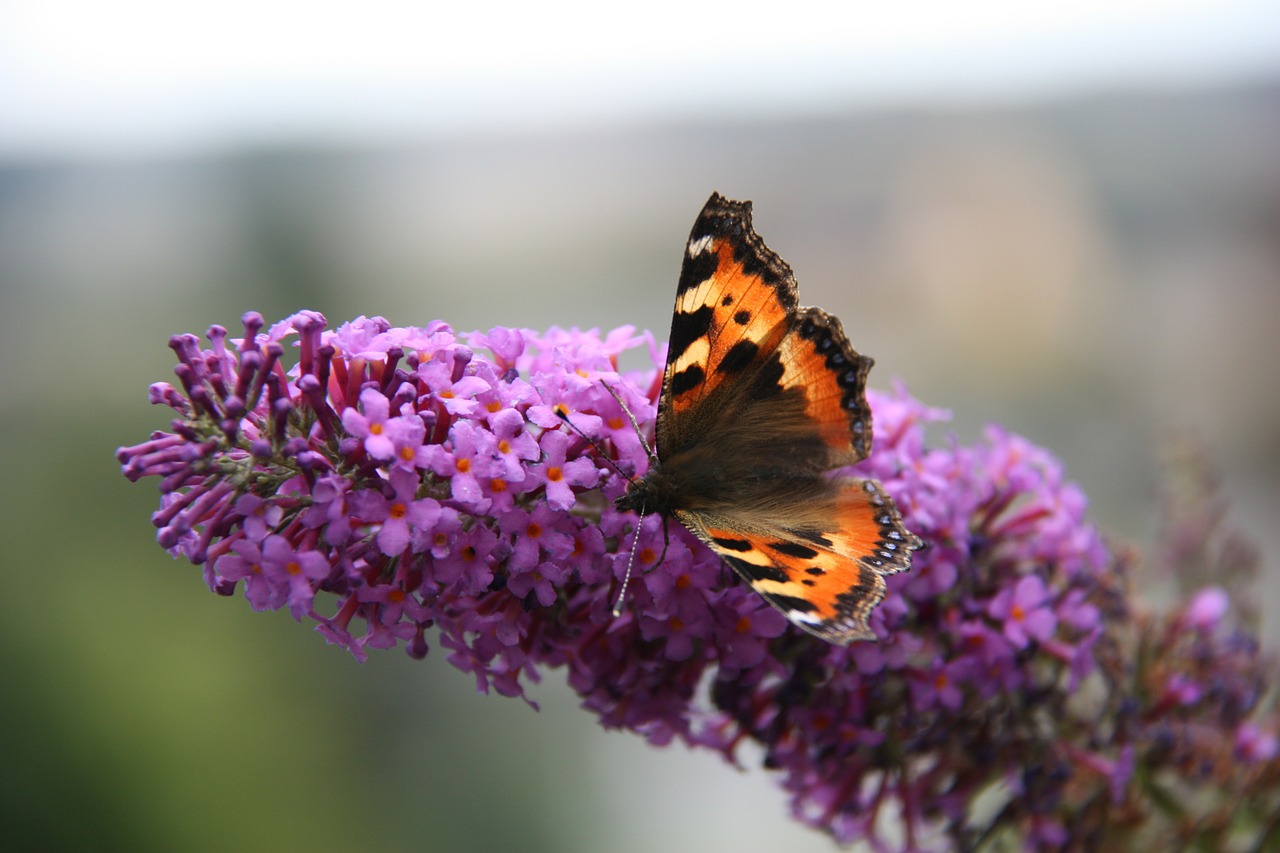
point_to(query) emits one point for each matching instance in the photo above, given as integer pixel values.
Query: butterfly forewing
(734, 306)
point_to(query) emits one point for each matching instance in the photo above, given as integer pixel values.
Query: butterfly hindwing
(825, 577)
(761, 400)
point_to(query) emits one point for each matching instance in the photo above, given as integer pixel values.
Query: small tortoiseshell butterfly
(761, 399)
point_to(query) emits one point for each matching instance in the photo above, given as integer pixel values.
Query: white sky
(127, 76)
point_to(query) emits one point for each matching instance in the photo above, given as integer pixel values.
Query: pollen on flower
(555, 473)
(534, 530)
(463, 465)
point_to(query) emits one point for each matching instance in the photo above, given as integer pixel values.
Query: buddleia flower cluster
(416, 487)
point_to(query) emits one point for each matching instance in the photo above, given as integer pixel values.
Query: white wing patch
(700, 245)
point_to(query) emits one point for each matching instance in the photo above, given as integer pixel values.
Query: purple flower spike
(385, 484)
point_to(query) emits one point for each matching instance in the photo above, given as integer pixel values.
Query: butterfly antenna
(635, 539)
(631, 558)
(562, 412)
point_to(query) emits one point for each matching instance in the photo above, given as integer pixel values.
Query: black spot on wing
(686, 380)
(687, 327)
(794, 549)
(739, 356)
(731, 544)
(787, 603)
(742, 317)
(696, 270)
(753, 573)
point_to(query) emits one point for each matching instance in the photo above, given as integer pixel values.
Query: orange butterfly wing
(826, 582)
(761, 400)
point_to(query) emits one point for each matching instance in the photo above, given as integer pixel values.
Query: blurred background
(1063, 217)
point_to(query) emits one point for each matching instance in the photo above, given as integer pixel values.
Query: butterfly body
(762, 400)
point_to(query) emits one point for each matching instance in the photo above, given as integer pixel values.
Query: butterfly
(761, 401)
